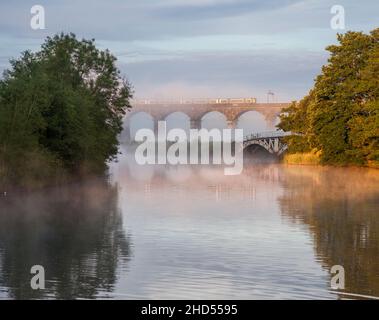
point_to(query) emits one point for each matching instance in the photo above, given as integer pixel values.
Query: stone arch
(202, 114)
(176, 113)
(207, 123)
(182, 120)
(130, 127)
(257, 122)
(244, 112)
(130, 114)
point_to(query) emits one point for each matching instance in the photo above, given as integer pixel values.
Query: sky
(171, 49)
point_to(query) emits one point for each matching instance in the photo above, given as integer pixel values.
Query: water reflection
(340, 206)
(211, 236)
(75, 232)
(272, 232)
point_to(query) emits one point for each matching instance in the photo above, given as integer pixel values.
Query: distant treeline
(61, 110)
(339, 119)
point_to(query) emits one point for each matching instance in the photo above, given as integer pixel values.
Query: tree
(61, 107)
(340, 116)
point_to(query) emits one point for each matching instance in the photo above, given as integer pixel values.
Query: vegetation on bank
(303, 158)
(61, 111)
(338, 121)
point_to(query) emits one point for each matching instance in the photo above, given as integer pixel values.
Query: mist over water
(172, 232)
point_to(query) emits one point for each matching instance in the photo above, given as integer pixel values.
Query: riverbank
(303, 158)
(314, 158)
(13, 182)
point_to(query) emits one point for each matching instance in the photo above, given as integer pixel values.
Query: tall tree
(340, 116)
(61, 106)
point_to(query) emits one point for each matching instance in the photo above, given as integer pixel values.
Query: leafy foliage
(62, 105)
(340, 115)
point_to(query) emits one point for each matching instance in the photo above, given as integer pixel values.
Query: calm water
(191, 232)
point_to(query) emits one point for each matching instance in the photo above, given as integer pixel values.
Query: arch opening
(138, 120)
(214, 120)
(257, 154)
(252, 122)
(178, 120)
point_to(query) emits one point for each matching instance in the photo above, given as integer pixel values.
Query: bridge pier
(195, 124)
(125, 136)
(231, 124)
(271, 120)
(155, 124)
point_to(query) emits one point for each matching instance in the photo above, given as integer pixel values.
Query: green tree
(61, 107)
(340, 116)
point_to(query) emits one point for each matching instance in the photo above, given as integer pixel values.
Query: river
(181, 232)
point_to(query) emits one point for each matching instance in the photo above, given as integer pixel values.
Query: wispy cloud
(230, 46)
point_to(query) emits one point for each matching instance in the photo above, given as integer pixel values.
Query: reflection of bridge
(232, 109)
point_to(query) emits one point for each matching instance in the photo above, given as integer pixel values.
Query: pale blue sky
(197, 48)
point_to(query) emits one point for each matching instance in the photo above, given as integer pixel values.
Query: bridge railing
(267, 134)
(196, 101)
